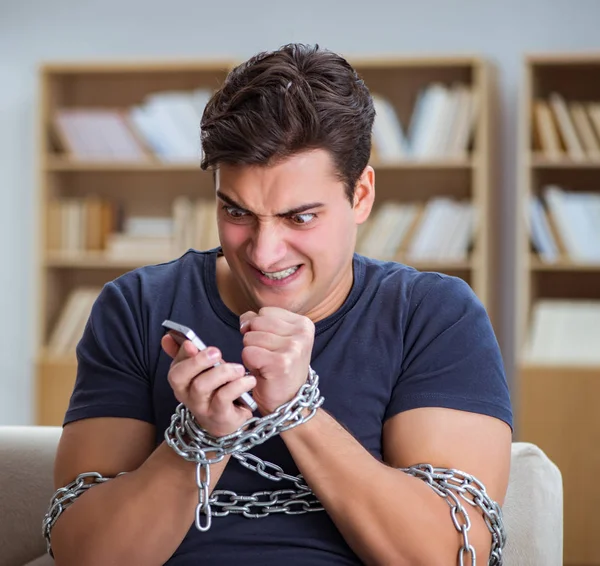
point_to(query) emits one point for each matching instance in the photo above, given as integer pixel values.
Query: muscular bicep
(473, 443)
(104, 445)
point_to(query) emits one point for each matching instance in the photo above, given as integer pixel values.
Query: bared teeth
(280, 274)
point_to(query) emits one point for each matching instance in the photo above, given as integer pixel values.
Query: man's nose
(268, 246)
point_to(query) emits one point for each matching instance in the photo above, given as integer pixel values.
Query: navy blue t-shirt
(403, 339)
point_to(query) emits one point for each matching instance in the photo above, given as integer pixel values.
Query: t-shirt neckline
(230, 318)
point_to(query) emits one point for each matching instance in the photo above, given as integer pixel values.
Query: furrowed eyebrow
(298, 210)
(230, 201)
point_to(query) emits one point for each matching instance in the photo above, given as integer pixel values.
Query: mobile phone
(180, 333)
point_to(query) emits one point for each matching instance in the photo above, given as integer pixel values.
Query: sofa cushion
(44, 560)
(26, 464)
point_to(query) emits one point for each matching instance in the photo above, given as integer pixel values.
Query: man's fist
(277, 350)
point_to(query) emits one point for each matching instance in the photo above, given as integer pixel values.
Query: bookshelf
(558, 285)
(142, 187)
(147, 186)
(461, 176)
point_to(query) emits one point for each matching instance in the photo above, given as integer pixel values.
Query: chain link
(445, 482)
(64, 497)
(262, 503)
(456, 486)
(194, 444)
(262, 467)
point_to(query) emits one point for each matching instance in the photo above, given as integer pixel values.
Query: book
(97, 134)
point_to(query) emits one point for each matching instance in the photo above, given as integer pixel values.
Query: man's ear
(364, 195)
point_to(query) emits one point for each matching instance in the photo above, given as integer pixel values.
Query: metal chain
(302, 500)
(262, 503)
(447, 483)
(64, 497)
(287, 501)
(194, 444)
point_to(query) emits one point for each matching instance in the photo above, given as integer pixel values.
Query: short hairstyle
(280, 103)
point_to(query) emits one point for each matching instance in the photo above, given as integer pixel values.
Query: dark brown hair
(282, 102)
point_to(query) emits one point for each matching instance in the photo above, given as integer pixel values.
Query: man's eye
(234, 212)
(304, 218)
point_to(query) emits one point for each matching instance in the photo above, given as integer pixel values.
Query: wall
(32, 31)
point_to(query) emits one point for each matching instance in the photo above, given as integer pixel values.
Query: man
(408, 368)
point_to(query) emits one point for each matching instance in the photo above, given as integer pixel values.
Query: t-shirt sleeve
(112, 378)
(451, 356)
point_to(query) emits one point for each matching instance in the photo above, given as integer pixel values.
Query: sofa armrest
(26, 470)
(533, 509)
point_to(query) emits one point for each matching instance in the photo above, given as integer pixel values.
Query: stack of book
(441, 125)
(71, 321)
(439, 230)
(80, 224)
(565, 224)
(77, 225)
(192, 224)
(564, 128)
(165, 126)
(564, 332)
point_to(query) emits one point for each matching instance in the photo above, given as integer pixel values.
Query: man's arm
(142, 517)
(137, 518)
(386, 515)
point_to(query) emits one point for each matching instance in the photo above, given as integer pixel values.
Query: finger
(175, 351)
(270, 323)
(203, 387)
(230, 392)
(267, 340)
(187, 365)
(255, 359)
(186, 350)
(282, 314)
(169, 346)
(245, 318)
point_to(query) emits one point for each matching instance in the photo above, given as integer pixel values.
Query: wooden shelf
(419, 63)
(63, 164)
(559, 413)
(439, 265)
(414, 164)
(46, 357)
(559, 368)
(99, 260)
(167, 67)
(556, 404)
(562, 265)
(539, 161)
(563, 59)
(55, 378)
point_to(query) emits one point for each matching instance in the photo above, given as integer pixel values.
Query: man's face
(288, 233)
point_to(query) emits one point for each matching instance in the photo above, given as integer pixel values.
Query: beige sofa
(532, 511)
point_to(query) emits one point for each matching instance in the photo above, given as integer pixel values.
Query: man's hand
(277, 350)
(208, 392)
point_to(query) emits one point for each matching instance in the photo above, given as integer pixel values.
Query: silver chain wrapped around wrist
(194, 444)
(454, 486)
(445, 482)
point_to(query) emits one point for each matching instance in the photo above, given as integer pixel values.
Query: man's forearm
(137, 518)
(385, 515)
